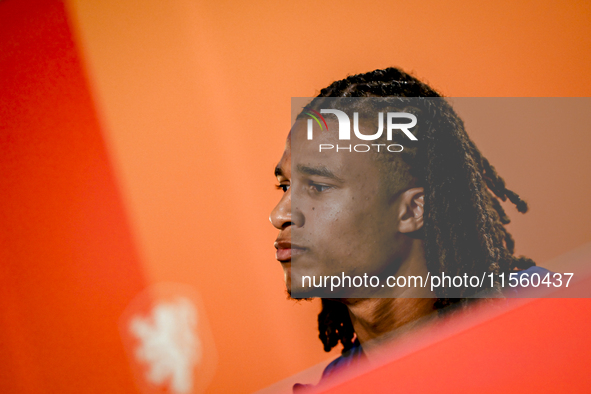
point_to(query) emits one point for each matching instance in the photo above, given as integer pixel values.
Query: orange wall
(193, 103)
(68, 263)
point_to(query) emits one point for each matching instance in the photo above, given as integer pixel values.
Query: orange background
(178, 111)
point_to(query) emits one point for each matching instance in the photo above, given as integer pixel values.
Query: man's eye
(282, 187)
(319, 188)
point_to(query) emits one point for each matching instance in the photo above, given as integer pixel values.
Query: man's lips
(285, 250)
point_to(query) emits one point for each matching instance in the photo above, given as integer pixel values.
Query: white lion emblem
(169, 344)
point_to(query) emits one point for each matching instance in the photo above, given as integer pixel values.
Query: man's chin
(298, 295)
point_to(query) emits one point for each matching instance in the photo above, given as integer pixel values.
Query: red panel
(68, 264)
(542, 346)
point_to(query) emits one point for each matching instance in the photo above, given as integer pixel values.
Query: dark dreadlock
(464, 222)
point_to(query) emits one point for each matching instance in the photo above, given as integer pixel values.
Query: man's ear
(412, 208)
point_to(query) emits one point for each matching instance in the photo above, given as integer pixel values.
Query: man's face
(336, 214)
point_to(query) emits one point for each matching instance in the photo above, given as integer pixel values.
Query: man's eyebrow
(320, 171)
(278, 171)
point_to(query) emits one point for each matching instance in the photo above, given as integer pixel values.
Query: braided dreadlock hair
(464, 222)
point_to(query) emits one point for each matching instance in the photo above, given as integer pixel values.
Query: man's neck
(378, 318)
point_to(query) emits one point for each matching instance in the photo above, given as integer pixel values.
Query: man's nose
(281, 214)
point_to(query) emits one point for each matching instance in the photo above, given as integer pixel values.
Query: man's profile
(430, 209)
